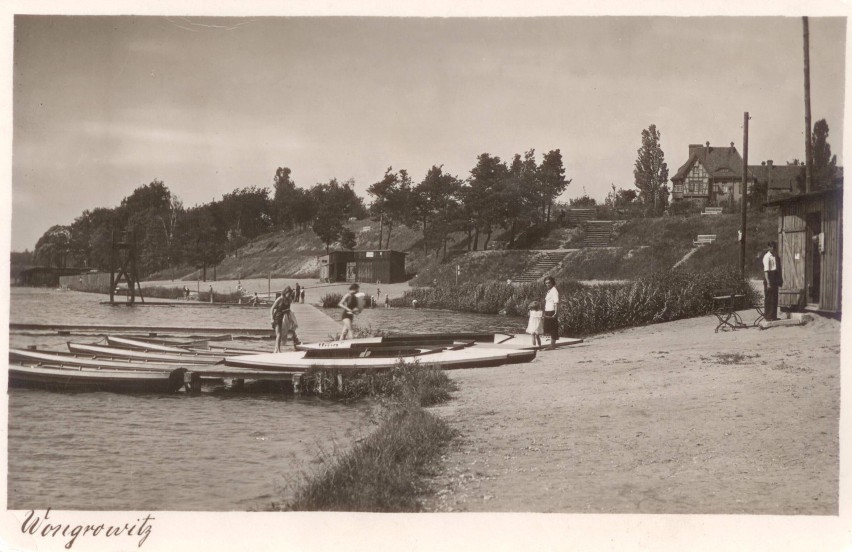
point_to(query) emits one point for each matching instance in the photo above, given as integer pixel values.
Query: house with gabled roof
(786, 180)
(711, 175)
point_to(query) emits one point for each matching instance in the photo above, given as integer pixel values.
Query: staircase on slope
(576, 217)
(598, 233)
(541, 267)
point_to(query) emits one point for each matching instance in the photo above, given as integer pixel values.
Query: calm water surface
(214, 451)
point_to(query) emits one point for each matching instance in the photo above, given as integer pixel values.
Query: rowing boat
(185, 357)
(85, 378)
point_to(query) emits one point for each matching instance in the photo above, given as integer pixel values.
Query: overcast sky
(103, 105)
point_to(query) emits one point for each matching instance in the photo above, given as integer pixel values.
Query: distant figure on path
(387, 300)
(255, 300)
(298, 292)
(551, 309)
(283, 319)
(211, 294)
(185, 292)
(771, 282)
(302, 296)
(349, 304)
(535, 327)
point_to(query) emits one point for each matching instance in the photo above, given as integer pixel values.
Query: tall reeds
(659, 297)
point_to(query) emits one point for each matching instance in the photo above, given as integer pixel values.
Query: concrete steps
(541, 267)
(598, 233)
(577, 217)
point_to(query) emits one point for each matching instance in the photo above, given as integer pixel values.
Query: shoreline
(668, 418)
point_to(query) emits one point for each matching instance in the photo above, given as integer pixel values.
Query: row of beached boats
(139, 364)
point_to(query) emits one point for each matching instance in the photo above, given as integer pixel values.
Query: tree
(334, 204)
(53, 247)
(203, 237)
(431, 201)
(552, 177)
(347, 239)
(824, 163)
(246, 212)
(650, 172)
(398, 204)
(380, 191)
(487, 184)
(282, 205)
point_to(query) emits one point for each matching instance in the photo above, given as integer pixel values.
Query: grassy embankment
(383, 473)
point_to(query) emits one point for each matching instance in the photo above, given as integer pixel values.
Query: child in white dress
(535, 326)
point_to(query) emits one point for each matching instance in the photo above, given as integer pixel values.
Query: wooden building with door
(810, 245)
(382, 266)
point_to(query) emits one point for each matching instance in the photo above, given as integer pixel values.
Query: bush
(684, 207)
(331, 300)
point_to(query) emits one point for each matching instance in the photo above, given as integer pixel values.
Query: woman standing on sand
(283, 319)
(349, 304)
(551, 309)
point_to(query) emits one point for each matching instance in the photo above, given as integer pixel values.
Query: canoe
(57, 378)
(414, 340)
(99, 351)
(381, 358)
(492, 340)
(143, 345)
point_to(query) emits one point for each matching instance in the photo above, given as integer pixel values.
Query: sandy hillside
(669, 418)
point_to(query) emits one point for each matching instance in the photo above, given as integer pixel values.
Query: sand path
(669, 418)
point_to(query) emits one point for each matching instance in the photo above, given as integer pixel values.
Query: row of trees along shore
(512, 197)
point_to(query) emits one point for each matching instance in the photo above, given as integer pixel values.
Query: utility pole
(744, 197)
(808, 143)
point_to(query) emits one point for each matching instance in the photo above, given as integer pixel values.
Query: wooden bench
(712, 211)
(704, 239)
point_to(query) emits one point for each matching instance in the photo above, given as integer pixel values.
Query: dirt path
(669, 418)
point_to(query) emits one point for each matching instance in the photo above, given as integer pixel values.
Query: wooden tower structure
(122, 266)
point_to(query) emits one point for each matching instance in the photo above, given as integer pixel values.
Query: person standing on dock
(302, 296)
(283, 319)
(298, 292)
(349, 304)
(551, 308)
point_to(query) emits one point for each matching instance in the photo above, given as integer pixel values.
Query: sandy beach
(665, 419)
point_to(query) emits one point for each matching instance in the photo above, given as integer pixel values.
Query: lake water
(214, 451)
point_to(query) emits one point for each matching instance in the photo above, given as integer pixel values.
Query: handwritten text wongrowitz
(40, 526)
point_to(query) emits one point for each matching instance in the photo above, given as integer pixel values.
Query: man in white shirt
(551, 308)
(770, 283)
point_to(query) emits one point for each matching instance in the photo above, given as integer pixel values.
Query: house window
(696, 180)
(678, 188)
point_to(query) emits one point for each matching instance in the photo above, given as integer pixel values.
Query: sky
(103, 105)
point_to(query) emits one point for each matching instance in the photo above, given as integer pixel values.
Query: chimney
(769, 162)
(693, 148)
(708, 143)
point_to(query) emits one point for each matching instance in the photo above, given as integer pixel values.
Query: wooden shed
(810, 245)
(381, 266)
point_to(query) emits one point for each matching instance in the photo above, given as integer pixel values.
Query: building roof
(800, 197)
(719, 162)
(779, 177)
